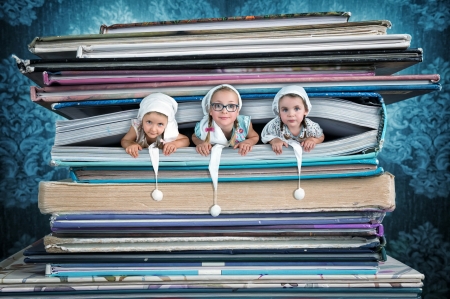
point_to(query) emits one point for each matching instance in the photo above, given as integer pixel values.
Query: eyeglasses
(229, 107)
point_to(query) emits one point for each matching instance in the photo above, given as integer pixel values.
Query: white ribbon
(299, 193)
(153, 151)
(214, 162)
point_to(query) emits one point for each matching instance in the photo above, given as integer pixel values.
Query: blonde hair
(210, 120)
(293, 95)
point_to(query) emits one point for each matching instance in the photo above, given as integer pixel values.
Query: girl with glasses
(222, 123)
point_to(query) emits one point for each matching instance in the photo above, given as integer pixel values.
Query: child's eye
(160, 124)
(148, 122)
(297, 109)
(284, 109)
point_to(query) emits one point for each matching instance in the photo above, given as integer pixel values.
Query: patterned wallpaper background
(416, 150)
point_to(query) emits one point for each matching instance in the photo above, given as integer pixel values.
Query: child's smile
(154, 124)
(224, 118)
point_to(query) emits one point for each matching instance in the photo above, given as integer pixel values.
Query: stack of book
(110, 238)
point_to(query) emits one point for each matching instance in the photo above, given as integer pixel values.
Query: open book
(350, 114)
(353, 125)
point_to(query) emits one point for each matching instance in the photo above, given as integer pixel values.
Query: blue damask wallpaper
(416, 150)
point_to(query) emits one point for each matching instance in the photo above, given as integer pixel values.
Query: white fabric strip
(299, 193)
(154, 157)
(214, 162)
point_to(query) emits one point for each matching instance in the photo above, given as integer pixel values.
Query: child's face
(292, 111)
(154, 124)
(224, 118)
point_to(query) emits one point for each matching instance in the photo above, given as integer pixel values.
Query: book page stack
(110, 239)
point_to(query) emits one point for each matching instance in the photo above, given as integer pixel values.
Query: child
(155, 123)
(222, 126)
(291, 105)
(222, 123)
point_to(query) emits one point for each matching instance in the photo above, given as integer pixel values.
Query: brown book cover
(338, 194)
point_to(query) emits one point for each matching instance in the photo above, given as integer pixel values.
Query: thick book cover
(261, 225)
(261, 155)
(135, 76)
(116, 230)
(293, 268)
(77, 245)
(225, 291)
(36, 253)
(247, 46)
(235, 22)
(186, 174)
(383, 62)
(225, 223)
(338, 194)
(388, 86)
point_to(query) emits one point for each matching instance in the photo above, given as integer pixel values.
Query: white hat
(159, 102)
(206, 102)
(291, 89)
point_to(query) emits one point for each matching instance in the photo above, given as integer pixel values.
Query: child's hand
(203, 148)
(169, 148)
(133, 150)
(244, 147)
(308, 144)
(277, 145)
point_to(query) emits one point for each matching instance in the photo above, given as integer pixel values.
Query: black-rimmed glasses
(229, 107)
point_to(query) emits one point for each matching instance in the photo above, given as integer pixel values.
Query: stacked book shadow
(110, 238)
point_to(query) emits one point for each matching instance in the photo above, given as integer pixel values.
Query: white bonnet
(291, 89)
(159, 102)
(207, 98)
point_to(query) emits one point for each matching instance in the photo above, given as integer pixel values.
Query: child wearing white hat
(155, 123)
(222, 123)
(291, 105)
(290, 127)
(156, 128)
(222, 126)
